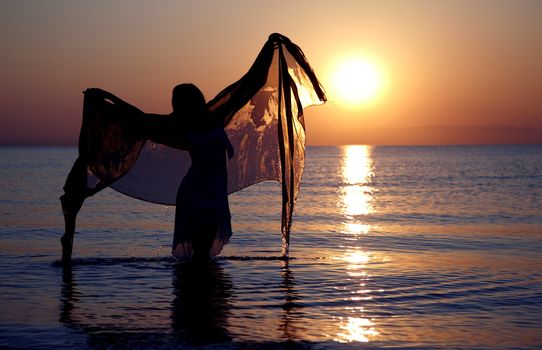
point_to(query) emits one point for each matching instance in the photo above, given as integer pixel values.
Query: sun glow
(357, 81)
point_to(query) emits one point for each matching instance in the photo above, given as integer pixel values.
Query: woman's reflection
(201, 304)
(288, 325)
(199, 311)
(67, 295)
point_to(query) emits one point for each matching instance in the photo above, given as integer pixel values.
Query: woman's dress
(202, 198)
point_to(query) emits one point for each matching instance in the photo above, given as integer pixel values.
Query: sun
(357, 81)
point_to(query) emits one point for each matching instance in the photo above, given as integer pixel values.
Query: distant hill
(442, 135)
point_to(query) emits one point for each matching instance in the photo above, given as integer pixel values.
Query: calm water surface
(392, 247)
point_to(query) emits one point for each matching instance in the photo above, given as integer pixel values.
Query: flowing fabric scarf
(262, 114)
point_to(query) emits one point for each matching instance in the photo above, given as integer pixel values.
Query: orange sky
(459, 71)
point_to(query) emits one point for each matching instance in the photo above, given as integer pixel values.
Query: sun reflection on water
(356, 258)
(356, 202)
(356, 262)
(357, 192)
(356, 228)
(356, 329)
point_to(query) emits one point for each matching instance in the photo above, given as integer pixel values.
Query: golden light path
(356, 201)
(357, 192)
(356, 328)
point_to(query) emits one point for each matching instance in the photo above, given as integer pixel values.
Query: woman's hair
(189, 104)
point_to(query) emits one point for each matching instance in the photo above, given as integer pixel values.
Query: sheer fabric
(261, 114)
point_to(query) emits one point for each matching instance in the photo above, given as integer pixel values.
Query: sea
(418, 247)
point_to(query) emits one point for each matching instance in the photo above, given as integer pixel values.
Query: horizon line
(389, 136)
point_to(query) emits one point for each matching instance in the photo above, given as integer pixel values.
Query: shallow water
(396, 247)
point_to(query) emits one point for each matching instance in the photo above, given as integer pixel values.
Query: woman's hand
(102, 94)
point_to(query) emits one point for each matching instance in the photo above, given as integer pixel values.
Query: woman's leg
(203, 229)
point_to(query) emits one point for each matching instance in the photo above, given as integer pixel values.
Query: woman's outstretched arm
(158, 128)
(162, 129)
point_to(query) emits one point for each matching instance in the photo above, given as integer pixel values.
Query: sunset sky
(446, 71)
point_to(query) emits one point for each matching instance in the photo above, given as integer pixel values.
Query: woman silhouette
(202, 215)
(114, 134)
